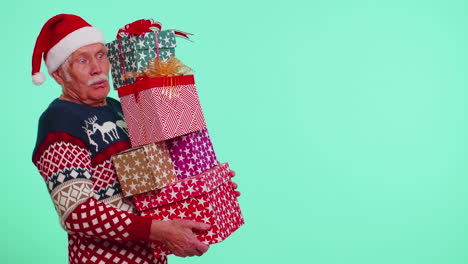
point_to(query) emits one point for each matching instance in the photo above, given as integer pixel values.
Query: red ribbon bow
(138, 28)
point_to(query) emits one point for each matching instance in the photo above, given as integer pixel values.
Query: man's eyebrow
(80, 53)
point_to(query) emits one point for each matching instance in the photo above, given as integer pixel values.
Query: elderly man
(74, 159)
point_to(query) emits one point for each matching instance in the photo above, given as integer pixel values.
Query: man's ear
(59, 77)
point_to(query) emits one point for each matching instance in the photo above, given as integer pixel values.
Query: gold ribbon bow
(157, 67)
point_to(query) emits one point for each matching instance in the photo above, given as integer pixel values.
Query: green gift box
(131, 54)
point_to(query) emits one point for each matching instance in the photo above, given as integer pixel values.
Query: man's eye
(82, 60)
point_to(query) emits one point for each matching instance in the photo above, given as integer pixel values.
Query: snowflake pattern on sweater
(73, 154)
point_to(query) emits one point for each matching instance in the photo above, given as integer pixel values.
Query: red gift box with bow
(161, 108)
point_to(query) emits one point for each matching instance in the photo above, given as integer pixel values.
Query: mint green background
(345, 122)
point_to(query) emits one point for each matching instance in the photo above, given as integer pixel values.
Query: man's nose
(96, 67)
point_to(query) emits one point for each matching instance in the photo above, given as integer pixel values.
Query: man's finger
(192, 252)
(202, 248)
(198, 225)
(181, 254)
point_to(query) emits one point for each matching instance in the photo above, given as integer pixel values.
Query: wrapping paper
(192, 154)
(161, 108)
(144, 169)
(207, 198)
(133, 53)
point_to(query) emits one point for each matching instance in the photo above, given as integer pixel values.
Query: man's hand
(234, 185)
(178, 236)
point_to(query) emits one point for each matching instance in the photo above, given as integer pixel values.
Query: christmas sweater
(73, 154)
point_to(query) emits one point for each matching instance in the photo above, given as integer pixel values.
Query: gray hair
(64, 67)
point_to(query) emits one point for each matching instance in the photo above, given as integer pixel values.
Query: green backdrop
(346, 122)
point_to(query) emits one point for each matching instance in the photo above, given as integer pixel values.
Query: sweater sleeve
(65, 164)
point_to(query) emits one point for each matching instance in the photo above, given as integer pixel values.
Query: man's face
(88, 70)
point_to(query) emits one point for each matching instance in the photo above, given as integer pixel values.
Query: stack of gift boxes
(171, 171)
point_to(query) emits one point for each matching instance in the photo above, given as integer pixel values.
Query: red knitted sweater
(73, 150)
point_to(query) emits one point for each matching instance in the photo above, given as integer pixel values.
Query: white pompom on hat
(59, 38)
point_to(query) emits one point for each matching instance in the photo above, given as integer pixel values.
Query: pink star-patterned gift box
(192, 154)
(161, 108)
(207, 198)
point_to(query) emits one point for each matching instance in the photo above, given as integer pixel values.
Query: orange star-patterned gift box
(144, 168)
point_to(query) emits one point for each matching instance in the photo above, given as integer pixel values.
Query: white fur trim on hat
(38, 78)
(73, 41)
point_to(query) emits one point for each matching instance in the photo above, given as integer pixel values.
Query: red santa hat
(59, 38)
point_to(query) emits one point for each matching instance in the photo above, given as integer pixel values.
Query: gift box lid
(149, 83)
(184, 189)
